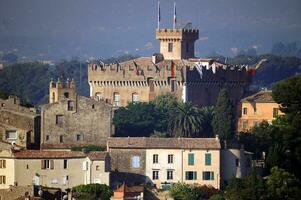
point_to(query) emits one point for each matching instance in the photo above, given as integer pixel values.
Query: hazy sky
(103, 28)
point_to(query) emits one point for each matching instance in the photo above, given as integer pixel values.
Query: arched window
(116, 99)
(135, 98)
(98, 96)
(53, 96)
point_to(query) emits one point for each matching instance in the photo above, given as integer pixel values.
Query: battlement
(182, 34)
(59, 90)
(59, 84)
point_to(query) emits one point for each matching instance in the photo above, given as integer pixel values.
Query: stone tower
(177, 44)
(59, 90)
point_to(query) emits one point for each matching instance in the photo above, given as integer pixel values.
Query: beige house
(256, 108)
(163, 161)
(56, 169)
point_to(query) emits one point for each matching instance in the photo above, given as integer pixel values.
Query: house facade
(56, 169)
(256, 108)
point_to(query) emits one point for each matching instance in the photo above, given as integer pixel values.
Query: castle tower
(177, 44)
(59, 90)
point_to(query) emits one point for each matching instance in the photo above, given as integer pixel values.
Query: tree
(207, 113)
(223, 118)
(282, 185)
(186, 120)
(92, 192)
(217, 197)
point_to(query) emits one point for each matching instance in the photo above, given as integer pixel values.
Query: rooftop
(163, 143)
(264, 96)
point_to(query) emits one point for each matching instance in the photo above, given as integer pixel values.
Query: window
(237, 162)
(61, 139)
(245, 124)
(47, 164)
(169, 174)
(65, 179)
(98, 96)
(65, 164)
(2, 164)
(70, 105)
(116, 99)
(11, 134)
(170, 46)
(173, 85)
(155, 175)
(208, 159)
(170, 158)
(275, 112)
(59, 119)
(190, 159)
(53, 96)
(47, 137)
(135, 98)
(187, 47)
(136, 161)
(66, 94)
(80, 137)
(191, 175)
(27, 166)
(2, 104)
(2, 180)
(155, 158)
(208, 175)
(245, 111)
(97, 168)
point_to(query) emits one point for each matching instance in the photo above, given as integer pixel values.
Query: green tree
(223, 118)
(282, 185)
(92, 192)
(217, 197)
(207, 113)
(186, 120)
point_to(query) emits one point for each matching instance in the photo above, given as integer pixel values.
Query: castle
(174, 70)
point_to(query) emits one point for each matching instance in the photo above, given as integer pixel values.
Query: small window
(10, 134)
(47, 138)
(116, 99)
(98, 96)
(190, 159)
(169, 175)
(53, 96)
(80, 137)
(245, 111)
(2, 105)
(237, 164)
(3, 180)
(66, 94)
(47, 164)
(135, 98)
(155, 158)
(61, 139)
(136, 161)
(2, 164)
(65, 164)
(275, 112)
(70, 105)
(170, 158)
(170, 47)
(93, 106)
(191, 175)
(207, 175)
(208, 159)
(27, 166)
(155, 175)
(59, 119)
(245, 125)
(97, 168)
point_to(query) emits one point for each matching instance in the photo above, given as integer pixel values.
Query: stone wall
(88, 118)
(15, 192)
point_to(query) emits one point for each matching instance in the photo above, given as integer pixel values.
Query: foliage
(282, 185)
(88, 148)
(223, 118)
(186, 121)
(207, 113)
(217, 197)
(183, 191)
(92, 192)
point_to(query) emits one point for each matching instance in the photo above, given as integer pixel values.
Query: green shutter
(208, 159)
(191, 159)
(195, 175)
(186, 174)
(212, 175)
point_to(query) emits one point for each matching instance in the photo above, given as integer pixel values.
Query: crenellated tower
(59, 90)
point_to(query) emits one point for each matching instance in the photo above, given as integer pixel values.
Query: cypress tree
(223, 118)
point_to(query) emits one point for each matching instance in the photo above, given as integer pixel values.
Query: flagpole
(174, 16)
(159, 15)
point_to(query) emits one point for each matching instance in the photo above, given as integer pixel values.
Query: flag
(175, 16)
(172, 69)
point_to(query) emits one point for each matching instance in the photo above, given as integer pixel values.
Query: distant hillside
(30, 81)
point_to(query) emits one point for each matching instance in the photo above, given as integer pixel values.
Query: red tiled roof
(97, 155)
(133, 189)
(163, 143)
(58, 146)
(264, 96)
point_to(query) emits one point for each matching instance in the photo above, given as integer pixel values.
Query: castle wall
(89, 118)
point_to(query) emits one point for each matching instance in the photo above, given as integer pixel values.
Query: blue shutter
(208, 159)
(191, 159)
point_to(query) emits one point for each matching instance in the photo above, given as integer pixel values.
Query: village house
(256, 108)
(19, 125)
(55, 169)
(70, 120)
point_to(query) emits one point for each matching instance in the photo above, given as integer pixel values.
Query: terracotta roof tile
(264, 96)
(97, 155)
(163, 143)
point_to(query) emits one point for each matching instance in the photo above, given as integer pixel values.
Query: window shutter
(212, 175)
(186, 175)
(4, 179)
(195, 176)
(4, 163)
(51, 164)
(207, 159)
(42, 164)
